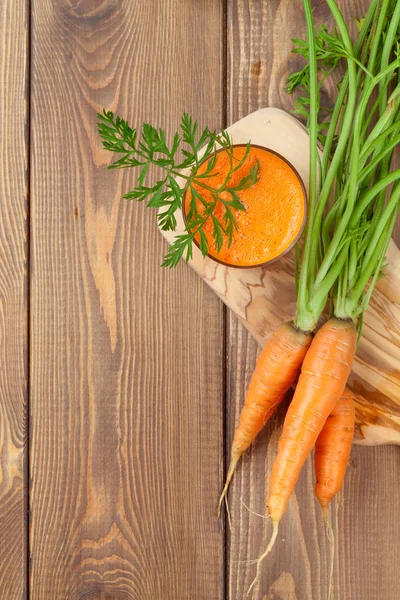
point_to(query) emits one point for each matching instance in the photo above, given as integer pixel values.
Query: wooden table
(120, 382)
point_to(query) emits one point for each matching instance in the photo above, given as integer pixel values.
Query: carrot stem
(351, 195)
(387, 49)
(347, 124)
(302, 320)
(357, 213)
(362, 44)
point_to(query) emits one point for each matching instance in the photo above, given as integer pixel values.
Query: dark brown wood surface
(14, 133)
(367, 527)
(137, 375)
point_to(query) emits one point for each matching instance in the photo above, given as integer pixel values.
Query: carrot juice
(275, 207)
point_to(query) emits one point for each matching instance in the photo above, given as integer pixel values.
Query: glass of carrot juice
(275, 208)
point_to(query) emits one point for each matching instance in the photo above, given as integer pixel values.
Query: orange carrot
(332, 449)
(277, 368)
(322, 381)
(332, 452)
(323, 377)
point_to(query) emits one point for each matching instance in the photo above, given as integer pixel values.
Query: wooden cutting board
(264, 297)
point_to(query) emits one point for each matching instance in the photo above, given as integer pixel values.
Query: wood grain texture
(127, 375)
(13, 296)
(259, 60)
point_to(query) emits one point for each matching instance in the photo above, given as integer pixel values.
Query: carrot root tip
(228, 512)
(331, 537)
(231, 470)
(275, 525)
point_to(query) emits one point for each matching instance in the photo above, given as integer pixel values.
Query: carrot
(323, 377)
(332, 452)
(277, 368)
(332, 449)
(322, 381)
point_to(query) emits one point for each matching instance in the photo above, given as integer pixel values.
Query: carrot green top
(275, 207)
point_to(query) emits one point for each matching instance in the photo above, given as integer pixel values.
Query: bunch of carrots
(354, 200)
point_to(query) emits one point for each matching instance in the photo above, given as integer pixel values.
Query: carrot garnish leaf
(151, 149)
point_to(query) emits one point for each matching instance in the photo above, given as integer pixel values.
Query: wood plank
(259, 60)
(127, 359)
(13, 296)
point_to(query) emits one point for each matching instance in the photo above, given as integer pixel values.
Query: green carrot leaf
(151, 148)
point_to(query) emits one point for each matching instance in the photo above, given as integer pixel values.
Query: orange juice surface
(275, 207)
